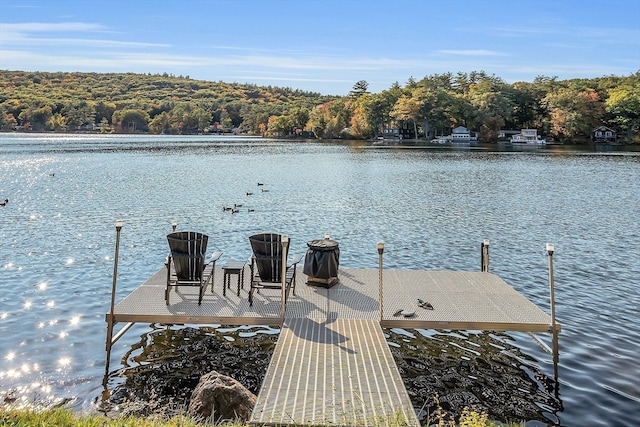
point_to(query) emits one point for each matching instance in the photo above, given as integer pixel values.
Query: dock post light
(285, 251)
(380, 251)
(115, 264)
(484, 255)
(552, 302)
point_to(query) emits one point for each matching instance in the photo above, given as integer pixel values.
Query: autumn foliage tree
(131, 120)
(623, 106)
(407, 109)
(573, 113)
(565, 110)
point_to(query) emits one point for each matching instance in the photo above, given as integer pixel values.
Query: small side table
(229, 268)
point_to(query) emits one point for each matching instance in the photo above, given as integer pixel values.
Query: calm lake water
(431, 207)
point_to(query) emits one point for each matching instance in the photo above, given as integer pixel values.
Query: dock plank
(333, 372)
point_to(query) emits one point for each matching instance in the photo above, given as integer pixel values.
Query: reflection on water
(431, 207)
(162, 369)
(445, 370)
(478, 370)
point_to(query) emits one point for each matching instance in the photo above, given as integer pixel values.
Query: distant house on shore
(391, 133)
(506, 134)
(603, 134)
(528, 136)
(460, 134)
(402, 132)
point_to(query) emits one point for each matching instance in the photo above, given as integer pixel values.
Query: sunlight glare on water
(432, 208)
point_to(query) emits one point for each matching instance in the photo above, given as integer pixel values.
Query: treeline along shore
(565, 111)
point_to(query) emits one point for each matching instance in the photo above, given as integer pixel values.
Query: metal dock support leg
(554, 330)
(110, 321)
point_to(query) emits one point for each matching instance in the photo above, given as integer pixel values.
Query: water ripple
(432, 208)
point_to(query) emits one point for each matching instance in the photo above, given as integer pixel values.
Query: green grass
(67, 418)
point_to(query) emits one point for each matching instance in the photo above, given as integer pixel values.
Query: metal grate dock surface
(333, 372)
(332, 364)
(146, 304)
(461, 300)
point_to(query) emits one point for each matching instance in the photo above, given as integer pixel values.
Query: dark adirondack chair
(186, 263)
(267, 267)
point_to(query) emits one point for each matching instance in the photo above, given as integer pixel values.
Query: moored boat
(441, 140)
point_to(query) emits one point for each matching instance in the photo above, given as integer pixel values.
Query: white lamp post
(380, 251)
(285, 251)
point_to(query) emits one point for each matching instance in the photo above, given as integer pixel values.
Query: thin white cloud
(325, 70)
(116, 59)
(95, 43)
(309, 62)
(39, 27)
(578, 33)
(19, 39)
(279, 67)
(32, 34)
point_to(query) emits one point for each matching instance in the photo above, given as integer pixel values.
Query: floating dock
(331, 364)
(461, 301)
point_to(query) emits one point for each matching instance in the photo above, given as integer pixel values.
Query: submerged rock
(219, 397)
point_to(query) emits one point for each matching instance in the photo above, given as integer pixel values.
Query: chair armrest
(251, 261)
(295, 260)
(215, 256)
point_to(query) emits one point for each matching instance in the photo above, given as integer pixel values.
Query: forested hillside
(565, 110)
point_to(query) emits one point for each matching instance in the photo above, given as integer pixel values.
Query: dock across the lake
(331, 364)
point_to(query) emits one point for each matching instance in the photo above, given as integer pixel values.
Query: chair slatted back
(267, 250)
(188, 249)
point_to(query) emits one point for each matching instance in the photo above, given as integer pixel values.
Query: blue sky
(323, 46)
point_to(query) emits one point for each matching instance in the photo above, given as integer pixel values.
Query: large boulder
(219, 397)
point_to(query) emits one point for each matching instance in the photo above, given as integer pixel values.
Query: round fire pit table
(321, 262)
